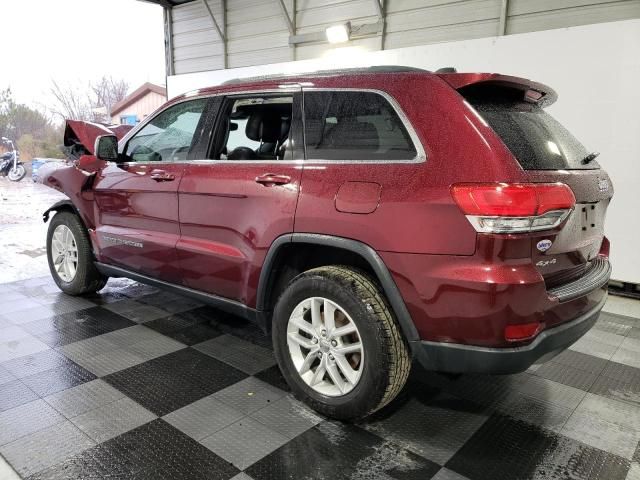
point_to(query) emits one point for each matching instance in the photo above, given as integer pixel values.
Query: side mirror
(106, 148)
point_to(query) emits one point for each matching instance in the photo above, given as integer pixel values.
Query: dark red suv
(366, 217)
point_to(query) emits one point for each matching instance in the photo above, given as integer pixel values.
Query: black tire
(87, 278)
(18, 174)
(387, 360)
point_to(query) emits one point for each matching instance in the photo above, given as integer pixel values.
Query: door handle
(271, 179)
(160, 176)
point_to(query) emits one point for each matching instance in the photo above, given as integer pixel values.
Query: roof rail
(329, 73)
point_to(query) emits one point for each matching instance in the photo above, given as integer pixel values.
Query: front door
(137, 224)
(243, 196)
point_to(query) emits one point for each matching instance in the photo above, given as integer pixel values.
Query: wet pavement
(22, 231)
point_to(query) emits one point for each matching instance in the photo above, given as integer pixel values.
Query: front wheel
(338, 344)
(70, 256)
(18, 173)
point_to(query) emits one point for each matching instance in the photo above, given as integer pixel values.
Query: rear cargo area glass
(536, 139)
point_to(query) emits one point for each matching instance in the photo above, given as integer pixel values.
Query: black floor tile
(620, 382)
(170, 382)
(72, 327)
(273, 376)
(153, 451)
(57, 379)
(190, 328)
(341, 451)
(581, 361)
(14, 394)
(567, 375)
(505, 448)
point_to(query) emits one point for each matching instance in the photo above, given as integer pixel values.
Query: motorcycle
(10, 165)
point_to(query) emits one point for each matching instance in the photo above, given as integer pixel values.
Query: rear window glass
(354, 126)
(536, 139)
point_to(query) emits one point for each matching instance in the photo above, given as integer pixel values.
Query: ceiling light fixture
(338, 33)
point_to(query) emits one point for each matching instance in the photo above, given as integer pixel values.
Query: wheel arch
(62, 205)
(274, 260)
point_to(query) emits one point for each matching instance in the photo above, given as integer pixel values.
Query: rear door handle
(161, 176)
(270, 179)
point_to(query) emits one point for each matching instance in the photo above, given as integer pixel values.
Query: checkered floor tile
(137, 383)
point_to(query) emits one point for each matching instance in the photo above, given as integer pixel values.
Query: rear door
(549, 153)
(242, 195)
(137, 199)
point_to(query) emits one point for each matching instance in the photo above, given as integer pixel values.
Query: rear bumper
(459, 358)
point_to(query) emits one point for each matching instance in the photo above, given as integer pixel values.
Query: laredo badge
(544, 245)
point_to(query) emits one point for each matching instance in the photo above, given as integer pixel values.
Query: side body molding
(363, 250)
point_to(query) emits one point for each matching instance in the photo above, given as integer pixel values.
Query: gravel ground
(22, 231)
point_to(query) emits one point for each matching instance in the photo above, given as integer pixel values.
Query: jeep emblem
(544, 245)
(603, 184)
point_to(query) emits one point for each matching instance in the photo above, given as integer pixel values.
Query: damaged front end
(75, 177)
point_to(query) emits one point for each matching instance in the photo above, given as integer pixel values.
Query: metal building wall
(257, 32)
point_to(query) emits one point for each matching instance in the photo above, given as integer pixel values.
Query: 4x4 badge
(544, 245)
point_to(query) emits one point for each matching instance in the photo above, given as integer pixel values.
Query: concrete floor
(576, 417)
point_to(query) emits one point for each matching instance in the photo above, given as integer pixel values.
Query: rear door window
(353, 125)
(536, 139)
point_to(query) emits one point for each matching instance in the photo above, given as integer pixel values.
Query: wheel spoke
(332, 370)
(348, 348)
(320, 371)
(345, 367)
(345, 330)
(316, 315)
(329, 316)
(300, 340)
(308, 361)
(303, 325)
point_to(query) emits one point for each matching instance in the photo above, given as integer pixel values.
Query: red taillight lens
(524, 331)
(512, 200)
(514, 208)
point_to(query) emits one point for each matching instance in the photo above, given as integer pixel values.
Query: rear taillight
(515, 207)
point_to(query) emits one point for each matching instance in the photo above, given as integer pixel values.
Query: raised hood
(80, 137)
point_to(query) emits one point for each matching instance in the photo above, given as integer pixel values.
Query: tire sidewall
(71, 221)
(372, 384)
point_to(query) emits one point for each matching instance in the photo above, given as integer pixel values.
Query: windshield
(535, 138)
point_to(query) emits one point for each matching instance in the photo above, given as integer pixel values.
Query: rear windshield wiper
(590, 158)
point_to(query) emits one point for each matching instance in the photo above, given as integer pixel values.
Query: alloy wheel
(64, 253)
(325, 346)
(16, 174)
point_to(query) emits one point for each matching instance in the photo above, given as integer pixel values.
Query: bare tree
(71, 103)
(107, 92)
(92, 104)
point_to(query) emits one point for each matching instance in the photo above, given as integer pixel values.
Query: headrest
(350, 133)
(264, 126)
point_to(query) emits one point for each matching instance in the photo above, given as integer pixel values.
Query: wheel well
(295, 258)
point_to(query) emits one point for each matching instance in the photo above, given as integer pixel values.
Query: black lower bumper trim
(459, 358)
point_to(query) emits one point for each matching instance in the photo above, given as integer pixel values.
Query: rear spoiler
(534, 92)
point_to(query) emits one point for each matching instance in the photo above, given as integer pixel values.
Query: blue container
(36, 163)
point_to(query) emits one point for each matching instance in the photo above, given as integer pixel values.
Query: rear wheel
(337, 343)
(18, 173)
(70, 256)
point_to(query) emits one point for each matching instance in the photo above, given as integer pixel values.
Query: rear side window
(354, 126)
(536, 139)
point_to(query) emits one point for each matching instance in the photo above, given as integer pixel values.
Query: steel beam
(213, 19)
(504, 8)
(290, 23)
